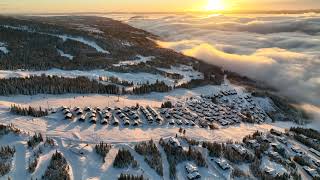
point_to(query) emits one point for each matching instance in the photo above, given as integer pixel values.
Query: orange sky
(51, 6)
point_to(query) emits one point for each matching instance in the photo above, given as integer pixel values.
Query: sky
(64, 6)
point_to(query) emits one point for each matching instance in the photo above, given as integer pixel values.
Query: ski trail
(165, 164)
(19, 170)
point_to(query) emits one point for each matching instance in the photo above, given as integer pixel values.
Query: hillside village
(80, 99)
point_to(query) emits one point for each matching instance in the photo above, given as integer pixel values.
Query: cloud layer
(282, 50)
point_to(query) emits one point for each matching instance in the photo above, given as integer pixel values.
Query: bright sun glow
(214, 5)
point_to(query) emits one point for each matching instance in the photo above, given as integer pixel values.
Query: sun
(215, 5)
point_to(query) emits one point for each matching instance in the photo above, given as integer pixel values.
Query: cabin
(87, 109)
(253, 143)
(92, 114)
(283, 140)
(118, 112)
(179, 122)
(171, 122)
(163, 111)
(135, 123)
(93, 120)
(159, 119)
(167, 116)
(126, 123)
(115, 122)
(79, 112)
(63, 108)
(135, 116)
(77, 109)
(175, 142)
(312, 172)
(126, 109)
(223, 164)
(68, 116)
(104, 121)
(106, 116)
(193, 176)
(240, 149)
(275, 155)
(66, 111)
(176, 116)
(297, 150)
(315, 152)
(131, 113)
(149, 118)
(191, 168)
(270, 171)
(82, 119)
(121, 115)
(303, 136)
(276, 132)
(185, 122)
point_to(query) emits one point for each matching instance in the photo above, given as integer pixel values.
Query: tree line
(6, 155)
(30, 111)
(53, 85)
(35, 140)
(158, 86)
(103, 149)
(124, 159)
(58, 168)
(130, 177)
(151, 155)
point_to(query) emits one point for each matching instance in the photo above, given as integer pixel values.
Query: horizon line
(175, 12)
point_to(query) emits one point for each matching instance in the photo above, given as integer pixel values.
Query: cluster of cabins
(128, 116)
(212, 112)
(151, 115)
(87, 113)
(114, 116)
(228, 108)
(179, 116)
(201, 111)
(279, 143)
(312, 157)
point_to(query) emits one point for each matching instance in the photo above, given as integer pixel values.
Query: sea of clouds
(281, 50)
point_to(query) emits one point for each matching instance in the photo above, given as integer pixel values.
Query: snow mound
(84, 41)
(3, 48)
(69, 56)
(140, 59)
(187, 72)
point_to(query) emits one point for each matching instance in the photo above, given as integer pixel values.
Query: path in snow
(165, 164)
(19, 170)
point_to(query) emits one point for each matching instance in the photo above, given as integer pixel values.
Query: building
(312, 172)
(191, 168)
(175, 142)
(223, 164)
(240, 149)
